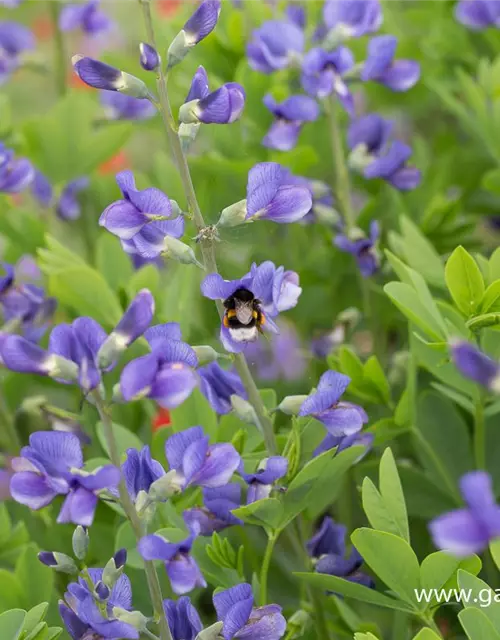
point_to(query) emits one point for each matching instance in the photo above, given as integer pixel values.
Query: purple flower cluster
(260, 483)
(16, 174)
(478, 14)
(327, 547)
(476, 365)
(67, 205)
(52, 465)
(23, 301)
(81, 351)
(289, 118)
(15, 40)
(142, 219)
(363, 249)
(86, 17)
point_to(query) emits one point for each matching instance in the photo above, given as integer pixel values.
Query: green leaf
(35, 616)
(147, 277)
(85, 290)
(420, 253)
(427, 634)
(439, 570)
(125, 539)
(444, 433)
(11, 623)
(112, 262)
(352, 590)
(196, 410)
(386, 510)
(365, 636)
(36, 578)
(11, 590)
(494, 263)
(477, 589)
(403, 296)
(495, 551)
(125, 439)
(374, 373)
(393, 561)
(491, 298)
(263, 513)
(464, 280)
(311, 488)
(476, 625)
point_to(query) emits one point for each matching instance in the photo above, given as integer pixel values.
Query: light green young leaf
(36, 578)
(482, 596)
(476, 625)
(35, 616)
(393, 561)
(403, 296)
(112, 262)
(427, 634)
(263, 513)
(11, 624)
(125, 439)
(421, 254)
(464, 280)
(439, 570)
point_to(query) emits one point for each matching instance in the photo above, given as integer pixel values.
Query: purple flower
(340, 418)
(275, 45)
(223, 106)
(218, 385)
(149, 58)
(216, 514)
(202, 22)
(322, 74)
(380, 66)
(68, 207)
(52, 465)
(368, 139)
(252, 301)
(119, 106)
(183, 619)
(290, 116)
(344, 442)
(272, 194)
(135, 218)
(199, 463)
(353, 18)
(140, 471)
(166, 374)
(16, 174)
(83, 617)
(10, 3)
(471, 529)
(363, 249)
(280, 358)
(42, 189)
(181, 567)
(102, 76)
(260, 483)
(88, 17)
(241, 620)
(24, 302)
(328, 546)
(475, 365)
(296, 14)
(478, 14)
(15, 39)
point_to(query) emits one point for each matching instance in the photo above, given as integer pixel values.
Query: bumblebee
(243, 317)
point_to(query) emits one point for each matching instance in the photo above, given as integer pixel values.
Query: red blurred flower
(43, 28)
(115, 164)
(168, 8)
(161, 420)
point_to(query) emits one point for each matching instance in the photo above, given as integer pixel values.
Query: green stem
(479, 434)
(59, 50)
(342, 182)
(206, 239)
(266, 563)
(131, 513)
(429, 622)
(12, 440)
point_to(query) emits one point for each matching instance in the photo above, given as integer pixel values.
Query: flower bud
(58, 561)
(187, 134)
(205, 354)
(80, 542)
(199, 25)
(150, 60)
(244, 410)
(167, 486)
(213, 632)
(102, 76)
(298, 623)
(233, 215)
(134, 618)
(350, 316)
(291, 405)
(180, 251)
(114, 568)
(102, 591)
(326, 215)
(120, 558)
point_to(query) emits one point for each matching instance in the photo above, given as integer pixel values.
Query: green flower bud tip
(244, 410)
(291, 404)
(233, 215)
(80, 542)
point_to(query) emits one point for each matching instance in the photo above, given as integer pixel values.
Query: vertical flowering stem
(266, 563)
(59, 52)
(342, 193)
(206, 235)
(131, 513)
(479, 433)
(12, 440)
